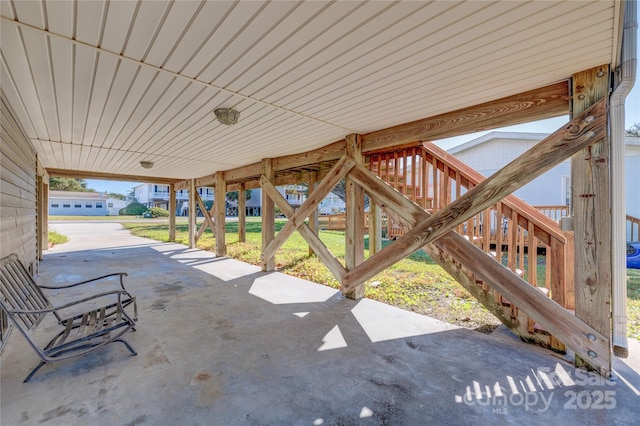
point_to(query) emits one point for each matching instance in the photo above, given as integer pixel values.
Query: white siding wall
(18, 169)
(489, 157)
(18, 197)
(77, 207)
(114, 205)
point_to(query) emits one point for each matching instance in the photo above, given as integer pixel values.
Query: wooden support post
(375, 228)
(45, 213)
(208, 220)
(577, 335)
(587, 127)
(242, 214)
(313, 216)
(220, 214)
(41, 243)
(311, 237)
(337, 173)
(172, 212)
(268, 216)
(192, 214)
(354, 232)
(590, 201)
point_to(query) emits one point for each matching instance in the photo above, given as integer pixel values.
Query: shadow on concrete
(221, 342)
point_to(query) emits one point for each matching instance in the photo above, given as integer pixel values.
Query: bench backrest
(18, 290)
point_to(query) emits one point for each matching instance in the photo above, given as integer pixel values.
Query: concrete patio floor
(221, 343)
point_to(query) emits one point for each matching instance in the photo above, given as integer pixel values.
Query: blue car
(633, 255)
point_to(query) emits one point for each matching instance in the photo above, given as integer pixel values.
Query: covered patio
(327, 93)
(221, 342)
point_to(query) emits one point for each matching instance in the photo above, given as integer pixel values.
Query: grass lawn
(417, 283)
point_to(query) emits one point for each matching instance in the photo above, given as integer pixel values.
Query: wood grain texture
(268, 217)
(546, 227)
(313, 216)
(242, 213)
(192, 214)
(172, 212)
(556, 320)
(319, 248)
(354, 222)
(208, 221)
(580, 132)
(591, 211)
(220, 208)
(546, 102)
(81, 174)
(338, 172)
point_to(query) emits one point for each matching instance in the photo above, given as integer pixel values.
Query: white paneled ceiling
(99, 86)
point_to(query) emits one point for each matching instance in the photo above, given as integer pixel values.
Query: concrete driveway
(221, 343)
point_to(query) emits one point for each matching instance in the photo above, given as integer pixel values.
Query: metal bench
(26, 306)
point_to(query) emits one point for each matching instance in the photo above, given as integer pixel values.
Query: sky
(632, 115)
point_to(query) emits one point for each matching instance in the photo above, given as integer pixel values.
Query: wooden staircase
(508, 232)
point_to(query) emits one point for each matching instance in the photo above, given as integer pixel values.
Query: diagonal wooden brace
(207, 218)
(337, 172)
(573, 332)
(319, 248)
(582, 131)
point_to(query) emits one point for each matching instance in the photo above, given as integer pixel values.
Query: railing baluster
(434, 185)
(486, 230)
(512, 238)
(520, 247)
(532, 255)
(499, 232)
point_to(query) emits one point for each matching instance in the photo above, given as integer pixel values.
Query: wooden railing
(337, 222)
(558, 212)
(511, 231)
(554, 212)
(633, 228)
(333, 222)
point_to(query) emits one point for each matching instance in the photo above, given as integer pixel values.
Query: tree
(633, 130)
(341, 191)
(233, 195)
(116, 196)
(68, 184)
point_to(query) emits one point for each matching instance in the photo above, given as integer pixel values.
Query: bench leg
(34, 371)
(124, 342)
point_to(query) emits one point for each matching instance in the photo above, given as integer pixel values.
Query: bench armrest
(70, 304)
(121, 274)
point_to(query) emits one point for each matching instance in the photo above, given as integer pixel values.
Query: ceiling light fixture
(146, 164)
(227, 116)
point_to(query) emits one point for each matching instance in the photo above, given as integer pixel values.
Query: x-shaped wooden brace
(208, 220)
(296, 218)
(584, 130)
(589, 127)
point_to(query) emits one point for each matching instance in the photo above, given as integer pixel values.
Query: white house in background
(67, 203)
(489, 153)
(157, 195)
(253, 204)
(114, 205)
(332, 204)
(294, 194)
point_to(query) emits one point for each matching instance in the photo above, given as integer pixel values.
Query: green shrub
(133, 209)
(56, 238)
(158, 212)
